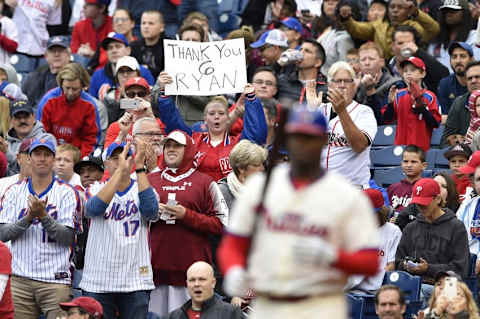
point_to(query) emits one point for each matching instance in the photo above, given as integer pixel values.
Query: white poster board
(205, 68)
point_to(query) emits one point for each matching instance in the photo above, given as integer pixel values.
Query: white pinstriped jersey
(338, 155)
(34, 254)
(117, 257)
(330, 209)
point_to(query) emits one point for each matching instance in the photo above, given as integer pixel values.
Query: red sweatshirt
(84, 32)
(176, 246)
(77, 123)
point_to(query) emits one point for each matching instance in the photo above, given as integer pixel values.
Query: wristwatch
(140, 170)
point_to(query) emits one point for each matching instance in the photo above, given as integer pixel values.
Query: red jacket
(77, 123)
(412, 128)
(84, 32)
(6, 304)
(176, 246)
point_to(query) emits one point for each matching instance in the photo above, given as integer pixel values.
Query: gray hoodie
(14, 142)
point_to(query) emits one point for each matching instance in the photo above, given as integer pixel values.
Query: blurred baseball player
(305, 239)
(40, 215)
(117, 270)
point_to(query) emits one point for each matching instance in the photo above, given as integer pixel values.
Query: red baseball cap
(415, 61)
(424, 191)
(472, 164)
(376, 198)
(137, 81)
(90, 305)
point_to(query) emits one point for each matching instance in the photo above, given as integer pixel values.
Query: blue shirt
(448, 90)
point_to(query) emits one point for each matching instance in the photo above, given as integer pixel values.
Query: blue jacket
(101, 77)
(254, 125)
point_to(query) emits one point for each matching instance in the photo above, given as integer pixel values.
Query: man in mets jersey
(40, 216)
(302, 245)
(117, 270)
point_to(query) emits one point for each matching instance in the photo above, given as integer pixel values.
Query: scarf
(474, 117)
(234, 184)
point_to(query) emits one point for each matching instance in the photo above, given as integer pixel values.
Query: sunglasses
(132, 94)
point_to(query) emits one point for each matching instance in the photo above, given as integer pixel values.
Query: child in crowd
(413, 164)
(457, 156)
(414, 108)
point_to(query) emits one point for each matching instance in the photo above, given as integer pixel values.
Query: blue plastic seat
(355, 306)
(437, 136)
(409, 284)
(385, 136)
(390, 156)
(387, 177)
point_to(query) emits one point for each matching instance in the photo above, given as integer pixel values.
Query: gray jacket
(14, 142)
(213, 308)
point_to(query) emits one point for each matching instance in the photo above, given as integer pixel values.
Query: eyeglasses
(261, 82)
(343, 81)
(120, 20)
(132, 94)
(151, 133)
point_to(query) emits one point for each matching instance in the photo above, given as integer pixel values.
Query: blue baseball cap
(112, 36)
(113, 147)
(273, 37)
(42, 143)
(59, 41)
(305, 121)
(293, 24)
(462, 45)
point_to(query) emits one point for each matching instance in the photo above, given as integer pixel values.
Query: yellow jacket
(380, 31)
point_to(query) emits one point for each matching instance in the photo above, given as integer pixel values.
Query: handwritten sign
(205, 68)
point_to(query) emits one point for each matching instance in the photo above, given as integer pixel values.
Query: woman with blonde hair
(214, 146)
(461, 306)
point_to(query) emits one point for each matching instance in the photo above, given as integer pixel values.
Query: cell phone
(325, 97)
(412, 264)
(129, 104)
(450, 289)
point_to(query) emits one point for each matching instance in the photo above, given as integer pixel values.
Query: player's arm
(148, 200)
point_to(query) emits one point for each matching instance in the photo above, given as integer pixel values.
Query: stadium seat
(386, 177)
(390, 156)
(385, 136)
(355, 306)
(409, 284)
(368, 305)
(440, 160)
(431, 157)
(437, 136)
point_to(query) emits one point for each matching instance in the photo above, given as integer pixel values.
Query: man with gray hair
(351, 127)
(147, 129)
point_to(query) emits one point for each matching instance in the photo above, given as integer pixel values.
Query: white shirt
(338, 155)
(5, 182)
(466, 213)
(9, 29)
(34, 254)
(31, 18)
(117, 257)
(330, 208)
(390, 236)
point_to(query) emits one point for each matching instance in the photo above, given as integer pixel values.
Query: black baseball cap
(20, 106)
(89, 160)
(448, 273)
(458, 149)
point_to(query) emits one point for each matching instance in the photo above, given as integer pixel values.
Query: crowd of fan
(68, 68)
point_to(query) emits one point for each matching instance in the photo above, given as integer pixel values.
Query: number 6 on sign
(133, 227)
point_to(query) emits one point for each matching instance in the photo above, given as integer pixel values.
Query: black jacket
(213, 308)
(38, 83)
(443, 244)
(291, 90)
(458, 118)
(149, 56)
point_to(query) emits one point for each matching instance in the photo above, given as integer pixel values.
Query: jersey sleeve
(367, 123)
(93, 189)
(8, 209)
(360, 216)
(396, 235)
(69, 210)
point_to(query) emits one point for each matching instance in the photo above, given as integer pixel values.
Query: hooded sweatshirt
(443, 244)
(14, 142)
(176, 246)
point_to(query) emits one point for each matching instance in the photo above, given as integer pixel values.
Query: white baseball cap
(127, 61)
(177, 136)
(273, 37)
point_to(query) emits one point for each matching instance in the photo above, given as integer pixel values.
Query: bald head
(200, 267)
(200, 283)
